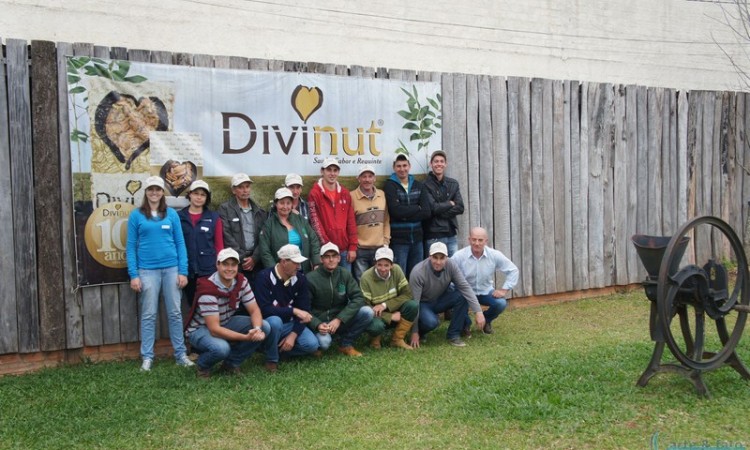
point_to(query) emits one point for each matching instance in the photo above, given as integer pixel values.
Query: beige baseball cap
(291, 251)
(240, 178)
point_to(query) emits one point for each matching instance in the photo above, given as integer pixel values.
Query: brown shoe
(349, 351)
(229, 370)
(401, 344)
(271, 367)
(203, 373)
(318, 353)
(466, 333)
(375, 343)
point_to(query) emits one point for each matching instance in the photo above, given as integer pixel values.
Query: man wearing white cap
(284, 300)
(387, 292)
(293, 182)
(337, 305)
(445, 204)
(373, 224)
(430, 281)
(243, 219)
(215, 330)
(331, 212)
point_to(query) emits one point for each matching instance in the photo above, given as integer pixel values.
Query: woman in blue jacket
(157, 262)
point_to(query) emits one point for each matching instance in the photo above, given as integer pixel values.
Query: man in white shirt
(479, 263)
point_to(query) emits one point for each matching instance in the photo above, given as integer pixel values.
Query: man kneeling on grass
(431, 285)
(214, 330)
(337, 305)
(386, 290)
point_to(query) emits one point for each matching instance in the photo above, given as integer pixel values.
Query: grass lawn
(559, 376)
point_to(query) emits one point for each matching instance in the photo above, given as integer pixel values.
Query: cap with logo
(329, 247)
(240, 178)
(330, 162)
(364, 169)
(199, 184)
(282, 193)
(438, 247)
(291, 251)
(292, 179)
(400, 157)
(227, 253)
(154, 181)
(384, 253)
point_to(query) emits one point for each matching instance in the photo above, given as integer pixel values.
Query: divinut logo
(301, 138)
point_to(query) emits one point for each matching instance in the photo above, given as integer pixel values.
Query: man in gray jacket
(430, 284)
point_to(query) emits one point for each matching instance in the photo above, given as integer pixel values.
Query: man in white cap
(387, 292)
(337, 305)
(445, 202)
(243, 219)
(284, 300)
(294, 183)
(430, 281)
(214, 329)
(373, 224)
(331, 212)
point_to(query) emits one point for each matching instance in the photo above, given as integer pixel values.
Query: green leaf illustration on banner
(424, 120)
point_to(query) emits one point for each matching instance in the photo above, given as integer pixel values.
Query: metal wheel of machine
(694, 294)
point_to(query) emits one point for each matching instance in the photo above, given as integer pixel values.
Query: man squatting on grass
(386, 290)
(338, 307)
(430, 281)
(214, 330)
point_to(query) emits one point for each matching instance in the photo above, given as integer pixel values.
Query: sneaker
(146, 365)
(349, 351)
(487, 328)
(184, 361)
(457, 342)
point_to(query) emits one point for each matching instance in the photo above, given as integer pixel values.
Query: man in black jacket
(445, 202)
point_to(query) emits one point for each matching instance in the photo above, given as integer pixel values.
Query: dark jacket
(231, 216)
(278, 299)
(406, 210)
(333, 295)
(199, 241)
(442, 222)
(274, 235)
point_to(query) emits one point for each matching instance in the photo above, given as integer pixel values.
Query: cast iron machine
(693, 294)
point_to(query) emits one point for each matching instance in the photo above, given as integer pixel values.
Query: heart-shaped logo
(306, 101)
(178, 175)
(133, 186)
(118, 206)
(124, 122)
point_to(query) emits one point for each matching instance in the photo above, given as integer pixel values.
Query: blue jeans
(233, 353)
(350, 331)
(407, 256)
(428, 311)
(154, 281)
(365, 260)
(344, 263)
(449, 242)
(305, 344)
(496, 306)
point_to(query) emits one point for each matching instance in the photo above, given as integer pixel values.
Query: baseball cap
(366, 168)
(330, 162)
(240, 178)
(292, 179)
(330, 246)
(227, 253)
(399, 157)
(154, 181)
(384, 253)
(438, 247)
(291, 251)
(198, 184)
(438, 153)
(282, 193)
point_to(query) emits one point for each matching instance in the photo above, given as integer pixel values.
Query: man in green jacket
(337, 305)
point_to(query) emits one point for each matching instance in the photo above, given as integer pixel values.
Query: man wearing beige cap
(387, 291)
(243, 219)
(294, 183)
(337, 305)
(373, 224)
(331, 212)
(430, 281)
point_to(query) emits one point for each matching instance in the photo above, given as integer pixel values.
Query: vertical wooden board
(683, 190)
(46, 160)
(381, 72)
(110, 314)
(181, 59)
(8, 303)
(694, 156)
(596, 189)
(471, 180)
(673, 197)
(139, 55)
(525, 194)
(538, 228)
(162, 57)
(636, 271)
(547, 200)
(746, 164)
(740, 164)
(459, 165)
(501, 236)
(702, 241)
(341, 69)
(449, 124)
(559, 186)
(718, 176)
(396, 74)
(72, 298)
(667, 184)
(274, 65)
(22, 176)
(202, 60)
(222, 62)
(655, 105)
(486, 176)
(237, 62)
(289, 66)
(129, 325)
(567, 182)
(515, 85)
(92, 316)
(608, 134)
(622, 182)
(258, 64)
(579, 167)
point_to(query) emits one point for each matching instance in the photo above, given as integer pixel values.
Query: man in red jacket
(332, 214)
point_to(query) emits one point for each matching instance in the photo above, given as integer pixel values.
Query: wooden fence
(561, 173)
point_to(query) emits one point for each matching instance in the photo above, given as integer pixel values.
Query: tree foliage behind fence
(561, 173)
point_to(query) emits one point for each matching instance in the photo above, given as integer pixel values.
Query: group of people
(289, 281)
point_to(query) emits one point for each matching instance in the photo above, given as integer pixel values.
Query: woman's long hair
(146, 208)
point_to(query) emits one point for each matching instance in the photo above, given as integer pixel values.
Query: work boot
(349, 351)
(402, 329)
(375, 342)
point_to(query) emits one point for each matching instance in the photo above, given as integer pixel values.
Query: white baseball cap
(328, 247)
(282, 193)
(154, 181)
(198, 184)
(366, 168)
(240, 178)
(438, 153)
(291, 251)
(330, 162)
(292, 179)
(227, 253)
(438, 247)
(384, 253)
(400, 156)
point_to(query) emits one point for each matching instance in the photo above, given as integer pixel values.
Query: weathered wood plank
(514, 251)
(608, 226)
(740, 164)
(746, 164)
(733, 203)
(458, 166)
(655, 106)
(46, 159)
(718, 175)
(644, 192)
(694, 144)
(381, 72)
(525, 194)
(236, 62)
(365, 72)
(110, 314)
(129, 325)
(258, 64)
(8, 302)
(182, 59)
(579, 168)
(547, 200)
(567, 182)
(223, 62)
(470, 183)
(538, 226)
(596, 106)
(682, 158)
(623, 179)
(560, 186)
(704, 160)
(669, 164)
(22, 176)
(341, 69)
(501, 199)
(274, 65)
(202, 60)
(449, 124)
(139, 55)
(486, 178)
(636, 271)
